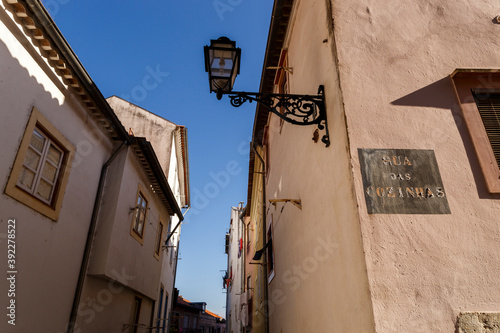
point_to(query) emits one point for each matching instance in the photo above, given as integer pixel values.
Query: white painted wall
(143, 123)
(45, 284)
(235, 263)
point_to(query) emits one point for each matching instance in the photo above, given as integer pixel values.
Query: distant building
(236, 308)
(95, 210)
(193, 317)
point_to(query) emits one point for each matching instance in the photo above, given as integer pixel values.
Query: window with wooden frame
(140, 215)
(164, 320)
(281, 79)
(249, 282)
(159, 236)
(478, 92)
(159, 321)
(135, 315)
(270, 252)
(41, 168)
(267, 151)
(248, 235)
(488, 105)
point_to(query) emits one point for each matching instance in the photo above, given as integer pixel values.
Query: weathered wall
(143, 123)
(394, 60)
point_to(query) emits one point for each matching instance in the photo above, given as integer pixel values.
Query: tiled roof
(184, 302)
(45, 35)
(213, 314)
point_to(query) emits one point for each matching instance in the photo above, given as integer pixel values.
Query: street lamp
(222, 62)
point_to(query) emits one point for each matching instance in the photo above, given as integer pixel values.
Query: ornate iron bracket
(295, 109)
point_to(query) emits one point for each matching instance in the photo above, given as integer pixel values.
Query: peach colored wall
(258, 278)
(394, 60)
(320, 282)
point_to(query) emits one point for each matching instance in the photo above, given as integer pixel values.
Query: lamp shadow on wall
(441, 95)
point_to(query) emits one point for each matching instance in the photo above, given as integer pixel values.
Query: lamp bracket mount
(295, 109)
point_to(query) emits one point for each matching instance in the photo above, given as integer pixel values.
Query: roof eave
(67, 65)
(276, 38)
(163, 188)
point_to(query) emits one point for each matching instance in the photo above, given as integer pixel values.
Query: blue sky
(120, 42)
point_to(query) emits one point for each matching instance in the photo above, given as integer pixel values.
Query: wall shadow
(441, 94)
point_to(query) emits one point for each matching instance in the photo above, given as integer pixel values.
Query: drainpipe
(264, 236)
(172, 300)
(90, 238)
(176, 226)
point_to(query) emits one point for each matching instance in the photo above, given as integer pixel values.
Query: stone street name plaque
(402, 181)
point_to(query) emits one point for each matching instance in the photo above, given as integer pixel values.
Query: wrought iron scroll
(295, 109)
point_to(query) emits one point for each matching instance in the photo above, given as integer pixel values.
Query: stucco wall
(235, 262)
(48, 253)
(107, 307)
(320, 282)
(125, 252)
(394, 59)
(169, 256)
(143, 123)
(258, 321)
(119, 260)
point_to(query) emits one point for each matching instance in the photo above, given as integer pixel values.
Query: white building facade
(234, 282)
(89, 205)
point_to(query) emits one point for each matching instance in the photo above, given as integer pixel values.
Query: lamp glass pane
(221, 57)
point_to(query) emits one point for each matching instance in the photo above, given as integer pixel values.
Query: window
(140, 214)
(281, 79)
(159, 235)
(136, 312)
(267, 151)
(227, 244)
(488, 105)
(270, 252)
(164, 321)
(160, 300)
(248, 234)
(41, 169)
(270, 257)
(478, 92)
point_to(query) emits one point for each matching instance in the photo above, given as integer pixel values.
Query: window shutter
(488, 104)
